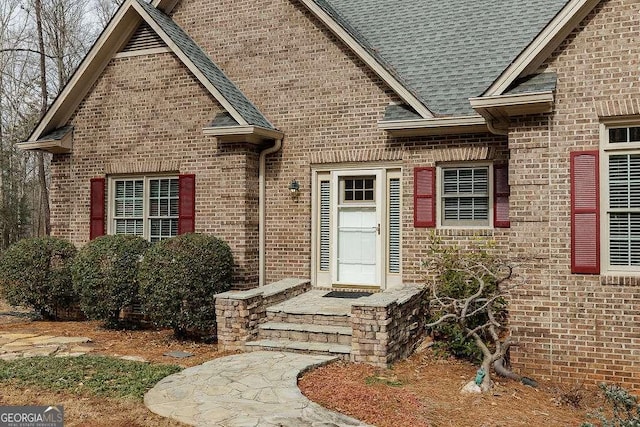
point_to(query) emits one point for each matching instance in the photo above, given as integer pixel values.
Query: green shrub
(36, 273)
(624, 407)
(105, 275)
(179, 278)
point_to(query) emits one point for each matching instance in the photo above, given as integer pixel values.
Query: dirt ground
(425, 391)
(421, 391)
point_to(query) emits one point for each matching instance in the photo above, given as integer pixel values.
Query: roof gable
(115, 36)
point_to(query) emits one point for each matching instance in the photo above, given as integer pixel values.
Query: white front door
(357, 229)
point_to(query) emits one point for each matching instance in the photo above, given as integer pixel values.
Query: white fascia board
(191, 66)
(373, 64)
(165, 5)
(54, 146)
(243, 130)
(435, 126)
(543, 45)
(117, 32)
(431, 123)
(512, 100)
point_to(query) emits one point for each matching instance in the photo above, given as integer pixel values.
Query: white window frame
(462, 225)
(145, 205)
(607, 149)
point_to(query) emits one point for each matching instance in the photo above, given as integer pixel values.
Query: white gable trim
(368, 59)
(543, 45)
(113, 38)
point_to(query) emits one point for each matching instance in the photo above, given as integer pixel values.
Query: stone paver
(250, 389)
(14, 346)
(315, 302)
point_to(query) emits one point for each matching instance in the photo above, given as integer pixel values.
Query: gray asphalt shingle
(210, 70)
(445, 51)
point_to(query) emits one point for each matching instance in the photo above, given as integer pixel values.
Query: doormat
(345, 294)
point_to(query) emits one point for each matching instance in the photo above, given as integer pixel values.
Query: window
(621, 197)
(145, 206)
(465, 195)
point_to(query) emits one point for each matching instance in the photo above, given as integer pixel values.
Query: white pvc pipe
(261, 201)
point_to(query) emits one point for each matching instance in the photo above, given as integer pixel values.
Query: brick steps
(340, 350)
(306, 332)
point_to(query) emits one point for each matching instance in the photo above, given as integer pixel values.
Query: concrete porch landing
(314, 302)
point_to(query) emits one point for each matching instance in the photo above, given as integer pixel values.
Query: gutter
(437, 126)
(262, 203)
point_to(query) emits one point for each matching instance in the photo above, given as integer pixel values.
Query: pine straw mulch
(421, 391)
(425, 391)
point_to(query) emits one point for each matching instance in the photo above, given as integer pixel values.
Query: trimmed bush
(36, 273)
(179, 278)
(105, 275)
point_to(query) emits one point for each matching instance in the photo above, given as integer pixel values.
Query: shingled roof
(444, 51)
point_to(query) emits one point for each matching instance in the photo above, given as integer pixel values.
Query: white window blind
(624, 209)
(146, 207)
(465, 195)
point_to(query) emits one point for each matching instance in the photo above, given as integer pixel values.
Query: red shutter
(501, 196)
(585, 213)
(187, 201)
(96, 210)
(424, 195)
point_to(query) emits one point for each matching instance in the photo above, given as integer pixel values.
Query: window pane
(624, 181)
(624, 239)
(129, 226)
(466, 195)
(617, 135)
(358, 189)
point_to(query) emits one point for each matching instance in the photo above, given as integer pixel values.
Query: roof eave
(532, 57)
(436, 126)
(252, 134)
(165, 5)
(54, 146)
(503, 106)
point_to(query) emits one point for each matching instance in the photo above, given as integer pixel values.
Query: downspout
(262, 207)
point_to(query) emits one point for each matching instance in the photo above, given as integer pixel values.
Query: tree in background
(41, 44)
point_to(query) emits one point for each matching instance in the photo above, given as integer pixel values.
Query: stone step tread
(307, 327)
(331, 348)
(306, 312)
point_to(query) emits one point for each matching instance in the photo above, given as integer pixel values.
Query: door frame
(387, 171)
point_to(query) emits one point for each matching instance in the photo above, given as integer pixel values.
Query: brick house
(326, 139)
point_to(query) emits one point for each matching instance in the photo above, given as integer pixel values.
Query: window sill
(464, 231)
(620, 279)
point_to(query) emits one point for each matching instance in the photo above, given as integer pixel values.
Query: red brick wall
(327, 103)
(145, 115)
(574, 327)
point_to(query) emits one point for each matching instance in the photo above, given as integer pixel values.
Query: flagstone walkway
(14, 346)
(250, 389)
